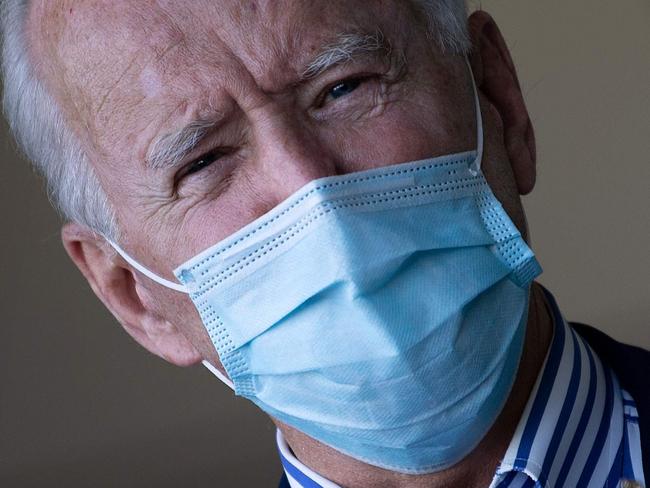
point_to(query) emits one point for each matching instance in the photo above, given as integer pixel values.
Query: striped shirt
(579, 429)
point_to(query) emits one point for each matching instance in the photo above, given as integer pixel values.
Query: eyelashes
(341, 89)
(204, 161)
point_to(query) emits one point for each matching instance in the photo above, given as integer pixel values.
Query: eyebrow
(344, 49)
(170, 149)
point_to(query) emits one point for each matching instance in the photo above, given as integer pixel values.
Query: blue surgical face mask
(382, 312)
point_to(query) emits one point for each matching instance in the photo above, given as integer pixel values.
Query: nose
(289, 155)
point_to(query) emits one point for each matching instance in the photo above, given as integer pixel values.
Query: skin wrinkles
(381, 103)
(383, 94)
(115, 85)
(242, 60)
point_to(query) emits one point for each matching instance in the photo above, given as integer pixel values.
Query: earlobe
(496, 79)
(114, 284)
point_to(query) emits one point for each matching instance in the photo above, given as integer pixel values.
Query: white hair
(447, 23)
(41, 132)
(43, 135)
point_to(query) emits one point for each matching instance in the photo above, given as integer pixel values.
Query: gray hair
(447, 23)
(42, 134)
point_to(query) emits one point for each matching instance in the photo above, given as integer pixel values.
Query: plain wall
(82, 405)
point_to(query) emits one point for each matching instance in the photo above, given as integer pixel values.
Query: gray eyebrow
(344, 49)
(169, 150)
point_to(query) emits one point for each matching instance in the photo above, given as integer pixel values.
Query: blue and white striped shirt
(579, 429)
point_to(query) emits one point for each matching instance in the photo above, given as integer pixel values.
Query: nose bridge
(290, 154)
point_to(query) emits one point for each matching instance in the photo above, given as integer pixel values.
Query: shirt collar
(570, 433)
(299, 475)
(572, 428)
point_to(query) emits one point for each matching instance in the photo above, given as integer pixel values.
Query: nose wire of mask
(474, 169)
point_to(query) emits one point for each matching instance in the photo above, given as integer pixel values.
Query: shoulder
(631, 364)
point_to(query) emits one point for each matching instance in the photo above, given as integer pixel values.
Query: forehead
(105, 57)
(94, 38)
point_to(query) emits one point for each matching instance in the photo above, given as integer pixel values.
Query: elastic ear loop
(149, 274)
(475, 167)
(173, 286)
(219, 375)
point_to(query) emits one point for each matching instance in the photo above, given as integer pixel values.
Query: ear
(496, 78)
(114, 284)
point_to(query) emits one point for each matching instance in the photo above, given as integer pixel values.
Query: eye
(203, 162)
(340, 93)
(343, 88)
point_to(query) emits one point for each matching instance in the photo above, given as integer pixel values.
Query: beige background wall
(82, 405)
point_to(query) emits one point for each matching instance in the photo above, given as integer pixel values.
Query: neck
(478, 468)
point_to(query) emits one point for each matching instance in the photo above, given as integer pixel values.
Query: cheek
(400, 135)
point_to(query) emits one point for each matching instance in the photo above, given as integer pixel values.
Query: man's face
(275, 94)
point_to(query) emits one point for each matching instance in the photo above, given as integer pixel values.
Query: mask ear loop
(475, 167)
(174, 286)
(219, 375)
(149, 274)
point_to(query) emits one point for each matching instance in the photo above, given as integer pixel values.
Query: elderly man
(320, 201)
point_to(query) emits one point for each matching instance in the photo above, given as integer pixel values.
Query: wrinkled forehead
(96, 40)
(103, 58)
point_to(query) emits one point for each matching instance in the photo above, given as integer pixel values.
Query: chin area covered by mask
(382, 312)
